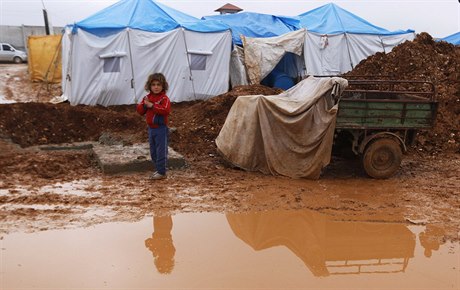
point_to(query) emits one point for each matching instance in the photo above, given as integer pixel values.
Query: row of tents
(107, 57)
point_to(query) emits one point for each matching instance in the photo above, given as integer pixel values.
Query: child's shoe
(157, 176)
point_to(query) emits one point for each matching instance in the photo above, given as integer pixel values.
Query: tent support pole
(348, 49)
(68, 78)
(133, 83)
(188, 62)
(54, 61)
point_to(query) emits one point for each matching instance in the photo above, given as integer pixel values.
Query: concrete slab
(67, 146)
(133, 158)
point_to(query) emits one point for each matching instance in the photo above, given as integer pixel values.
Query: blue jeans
(158, 140)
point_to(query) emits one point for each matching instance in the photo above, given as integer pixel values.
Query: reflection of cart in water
(326, 246)
(363, 247)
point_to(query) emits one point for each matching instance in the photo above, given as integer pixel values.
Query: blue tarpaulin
(454, 38)
(252, 24)
(332, 19)
(147, 15)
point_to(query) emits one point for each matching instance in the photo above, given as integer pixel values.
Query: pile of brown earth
(198, 123)
(194, 125)
(427, 60)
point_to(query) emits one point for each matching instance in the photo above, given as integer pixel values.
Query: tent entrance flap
(262, 55)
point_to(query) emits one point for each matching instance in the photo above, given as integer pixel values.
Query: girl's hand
(148, 103)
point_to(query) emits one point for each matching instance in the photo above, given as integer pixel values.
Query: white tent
(338, 40)
(108, 56)
(334, 42)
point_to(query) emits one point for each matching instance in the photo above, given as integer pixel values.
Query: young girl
(156, 107)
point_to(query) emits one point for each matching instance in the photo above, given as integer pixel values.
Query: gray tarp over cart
(288, 134)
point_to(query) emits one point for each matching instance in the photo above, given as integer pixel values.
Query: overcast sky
(439, 18)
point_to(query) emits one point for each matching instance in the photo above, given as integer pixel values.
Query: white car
(9, 53)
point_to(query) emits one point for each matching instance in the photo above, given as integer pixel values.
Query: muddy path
(36, 198)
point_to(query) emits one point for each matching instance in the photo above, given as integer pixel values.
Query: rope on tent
(383, 45)
(53, 61)
(189, 65)
(133, 82)
(348, 49)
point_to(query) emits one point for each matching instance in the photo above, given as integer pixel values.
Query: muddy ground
(42, 190)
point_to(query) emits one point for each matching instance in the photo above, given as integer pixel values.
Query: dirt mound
(43, 123)
(428, 60)
(196, 124)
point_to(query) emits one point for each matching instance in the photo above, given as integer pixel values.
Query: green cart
(380, 119)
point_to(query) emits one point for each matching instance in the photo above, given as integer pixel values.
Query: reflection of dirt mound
(197, 123)
(426, 59)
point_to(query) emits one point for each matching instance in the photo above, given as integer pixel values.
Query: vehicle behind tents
(9, 53)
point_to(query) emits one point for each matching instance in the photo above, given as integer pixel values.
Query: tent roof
(256, 24)
(147, 15)
(453, 38)
(332, 19)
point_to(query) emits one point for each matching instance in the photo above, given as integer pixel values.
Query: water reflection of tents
(327, 246)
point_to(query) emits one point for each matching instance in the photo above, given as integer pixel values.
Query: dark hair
(156, 77)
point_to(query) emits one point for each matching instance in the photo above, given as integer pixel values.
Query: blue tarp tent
(252, 24)
(337, 40)
(146, 15)
(453, 38)
(332, 19)
(108, 56)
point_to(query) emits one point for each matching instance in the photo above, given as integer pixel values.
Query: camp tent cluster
(107, 57)
(334, 42)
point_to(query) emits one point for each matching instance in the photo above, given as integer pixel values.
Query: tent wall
(96, 78)
(326, 57)
(390, 41)
(214, 49)
(340, 53)
(104, 67)
(161, 52)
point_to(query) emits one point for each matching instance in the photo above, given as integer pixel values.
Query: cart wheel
(382, 158)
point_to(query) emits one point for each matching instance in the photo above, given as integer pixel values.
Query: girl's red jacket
(158, 114)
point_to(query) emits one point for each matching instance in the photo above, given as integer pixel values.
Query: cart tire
(382, 158)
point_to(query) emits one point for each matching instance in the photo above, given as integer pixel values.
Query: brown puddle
(276, 249)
